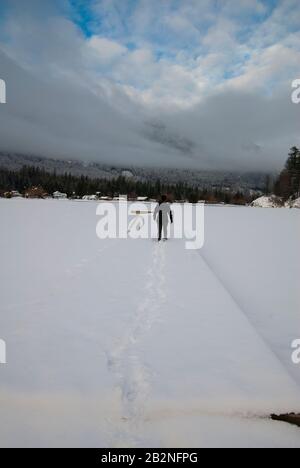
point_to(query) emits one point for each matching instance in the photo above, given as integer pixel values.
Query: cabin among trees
(33, 182)
(35, 192)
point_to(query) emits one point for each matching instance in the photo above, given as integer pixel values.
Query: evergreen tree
(288, 183)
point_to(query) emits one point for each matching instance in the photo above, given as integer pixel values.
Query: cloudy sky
(186, 83)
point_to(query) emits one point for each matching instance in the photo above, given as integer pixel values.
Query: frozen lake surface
(130, 343)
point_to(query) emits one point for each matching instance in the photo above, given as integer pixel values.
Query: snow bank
(293, 203)
(296, 203)
(267, 202)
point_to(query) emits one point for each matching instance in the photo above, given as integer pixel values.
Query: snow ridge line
(131, 373)
(239, 306)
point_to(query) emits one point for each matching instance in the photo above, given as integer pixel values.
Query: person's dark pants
(160, 226)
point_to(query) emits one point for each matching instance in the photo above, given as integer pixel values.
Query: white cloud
(105, 49)
(190, 69)
(234, 8)
(270, 68)
(221, 37)
(182, 25)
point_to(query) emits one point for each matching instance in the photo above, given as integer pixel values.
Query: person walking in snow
(162, 213)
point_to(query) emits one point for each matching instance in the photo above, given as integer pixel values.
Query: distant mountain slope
(232, 180)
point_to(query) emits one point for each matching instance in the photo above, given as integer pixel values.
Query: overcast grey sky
(189, 84)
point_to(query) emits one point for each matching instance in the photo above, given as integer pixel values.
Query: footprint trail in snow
(132, 374)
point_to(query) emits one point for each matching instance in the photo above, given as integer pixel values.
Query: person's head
(164, 198)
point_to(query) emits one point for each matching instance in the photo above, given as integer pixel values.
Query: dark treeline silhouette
(28, 177)
(288, 183)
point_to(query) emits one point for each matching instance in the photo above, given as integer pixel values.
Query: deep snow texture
(127, 343)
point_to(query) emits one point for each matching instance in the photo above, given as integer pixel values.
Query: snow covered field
(127, 343)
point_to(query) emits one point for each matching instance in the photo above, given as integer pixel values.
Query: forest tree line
(39, 183)
(27, 178)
